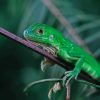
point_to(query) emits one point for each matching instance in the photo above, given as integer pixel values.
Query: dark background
(20, 65)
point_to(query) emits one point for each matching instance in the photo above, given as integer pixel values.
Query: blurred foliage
(20, 66)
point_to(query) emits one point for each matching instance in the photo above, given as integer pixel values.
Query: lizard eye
(40, 31)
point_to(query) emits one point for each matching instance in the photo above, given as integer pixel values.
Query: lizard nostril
(24, 33)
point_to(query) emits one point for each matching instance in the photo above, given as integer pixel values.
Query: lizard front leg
(75, 72)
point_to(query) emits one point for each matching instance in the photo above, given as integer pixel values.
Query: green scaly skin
(53, 41)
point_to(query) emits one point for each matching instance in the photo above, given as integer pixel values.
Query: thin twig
(68, 92)
(41, 81)
(55, 11)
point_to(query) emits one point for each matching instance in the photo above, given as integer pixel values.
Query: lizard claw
(65, 78)
(56, 87)
(69, 75)
(46, 63)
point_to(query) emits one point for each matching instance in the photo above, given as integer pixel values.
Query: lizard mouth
(46, 48)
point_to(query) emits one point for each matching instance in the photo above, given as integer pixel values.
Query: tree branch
(33, 47)
(57, 60)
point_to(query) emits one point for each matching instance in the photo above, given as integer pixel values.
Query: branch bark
(33, 47)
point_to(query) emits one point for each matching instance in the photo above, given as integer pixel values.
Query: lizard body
(52, 40)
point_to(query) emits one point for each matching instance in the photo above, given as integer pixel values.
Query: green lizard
(52, 41)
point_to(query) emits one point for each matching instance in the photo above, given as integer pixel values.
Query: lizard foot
(69, 75)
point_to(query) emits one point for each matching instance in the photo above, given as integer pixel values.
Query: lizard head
(42, 33)
(45, 36)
